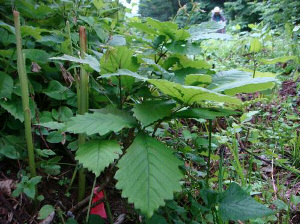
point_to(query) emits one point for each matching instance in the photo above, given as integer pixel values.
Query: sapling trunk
(83, 106)
(25, 94)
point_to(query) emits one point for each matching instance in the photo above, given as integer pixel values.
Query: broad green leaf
(117, 40)
(118, 58)
(249, 85)
(62, 114)
(12, 147)
(277, 60)
(206, 113)
(248, 116)
(98, 154)
(7, 27)
(184, 47)
(236, 204)
(191, 94)
(197, 80)
(15, 108)
(6, 85)
(89, 60)
(32, 31)
(45, 211)
(151, 111)
(101, 33)
(255, 45)
(123, 72)
(52, 125)
(148, 174)
(36, 55)
(6, 38)
(57, 91)
(98, 4)
(102, 122)
(55, 137)
(229, 76)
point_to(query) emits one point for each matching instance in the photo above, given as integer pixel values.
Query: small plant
(27, 186)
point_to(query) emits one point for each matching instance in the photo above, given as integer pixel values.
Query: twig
(243, 148)
(85, 201)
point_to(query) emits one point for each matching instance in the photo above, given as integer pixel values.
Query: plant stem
(75, 71)
(110, 218)
(83, 107)
(221, 168)
(90, 201)
(209, 152)
(25, 94)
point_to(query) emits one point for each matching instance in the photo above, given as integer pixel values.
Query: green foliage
(45, 211)
(190, 95)
(140, 177)
(236, 204)
(150, 111)
(96, 155)
(27, 186)
(6, 85)
(166, 82)
(102, 122)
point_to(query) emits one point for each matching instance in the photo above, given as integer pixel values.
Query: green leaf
(88, 60)
(151, 111)
(249, 85)
(98, 4)
(197, 80)
(97, 155)
(15, 108)
(6, 38)
(191, 94)
(57, 91)
(62, 114)
(30, 191)
(117, 40)
(148, 174)
(206, 113)
(184, 47)
(6, 85)
(255, 45)
(32, 31)
(123, 72)
(277, 60)
(55, 137)
(102, 122)
(118, 58)
(236, 204)
(35, 180)
(36, 55)
(248, 116)
(45, 211)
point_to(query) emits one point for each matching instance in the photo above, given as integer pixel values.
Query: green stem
(83, 107)
(209, 153)
(75, 71)
(25, 94)
(110, 218)
(221, 169)
(90, 201)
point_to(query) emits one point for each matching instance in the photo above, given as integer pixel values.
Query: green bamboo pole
(25, 94)
(83, 107)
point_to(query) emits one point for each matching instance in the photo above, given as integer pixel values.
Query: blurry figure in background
(218, 17)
